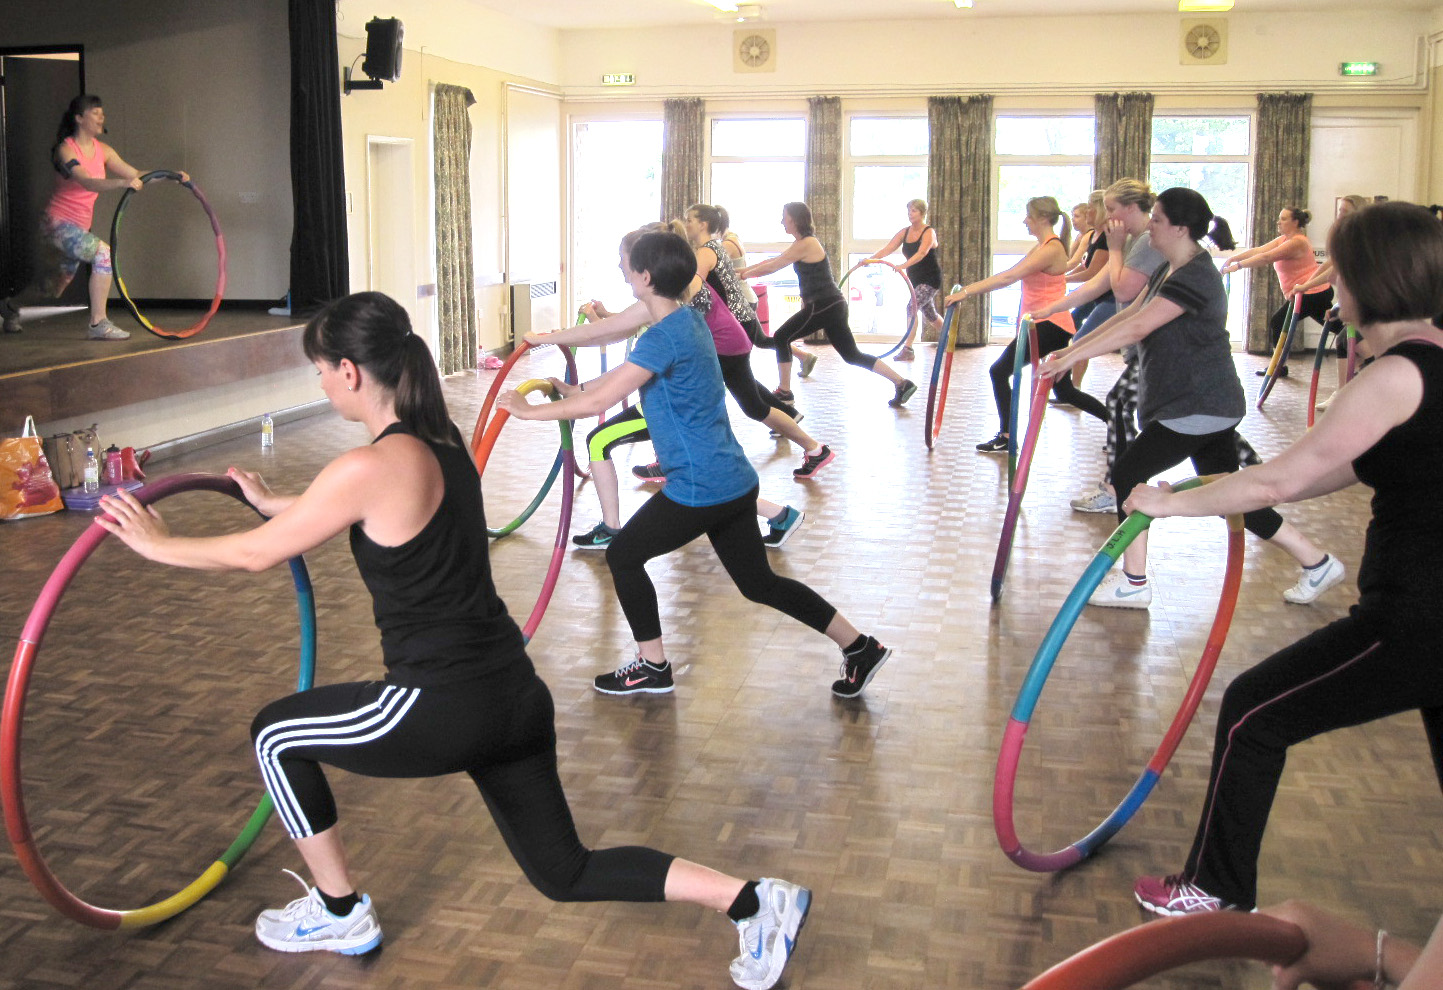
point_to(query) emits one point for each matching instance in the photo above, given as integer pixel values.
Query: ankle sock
(1137, 580)
(746, 904)
(780, 517)
(1314, 567)
(339, 906)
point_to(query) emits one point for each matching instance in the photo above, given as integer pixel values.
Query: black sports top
(723, 278)
(927, 271)
(1404, 544)
(815, 281)
(1096, 244)
(440, 618)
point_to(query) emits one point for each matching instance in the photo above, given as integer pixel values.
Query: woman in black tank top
(459, 691)
(1384, 429)
(918, 243)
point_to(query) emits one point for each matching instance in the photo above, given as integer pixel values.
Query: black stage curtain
(320, 266)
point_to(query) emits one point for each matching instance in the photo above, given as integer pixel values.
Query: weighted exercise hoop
(17, 824)
(1318, 355)
(1352, 368)
(563, 525)
(1280, 353)
(1147, 950)
(220, 274)
(911, 293)
(1026, 349)
(941, 373)
(1017, 725)
(1038, 409)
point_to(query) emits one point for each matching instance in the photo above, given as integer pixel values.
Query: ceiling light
(748, 11)
(1204, 6)
(725, 6)
(962, 3)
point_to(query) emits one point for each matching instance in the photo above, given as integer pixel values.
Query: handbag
(66, 452)
(27, 487)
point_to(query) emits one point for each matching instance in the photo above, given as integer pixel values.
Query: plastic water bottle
(92, 472)
(268, 432)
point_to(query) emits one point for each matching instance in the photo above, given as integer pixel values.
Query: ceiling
(588, 14)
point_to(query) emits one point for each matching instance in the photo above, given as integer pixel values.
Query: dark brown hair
(1390, 257)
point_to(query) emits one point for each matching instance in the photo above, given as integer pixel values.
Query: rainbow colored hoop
(568, 490)
(1318, 356)
(1016, 732)
(1026, 349)
(1280, 353)
(1138, 953)
(941, 373)
(17, 825)
(1038, 409)
(220, 276)
(911, 292)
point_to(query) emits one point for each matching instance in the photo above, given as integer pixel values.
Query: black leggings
(1158, 448)
(1347, 673)
(661, 526)
(754, 330)
(828, 316)
(1050, 337)
(1315, 304)
(500, 730)
(755, 401)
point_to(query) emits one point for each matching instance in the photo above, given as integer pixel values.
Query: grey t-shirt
(1141, 256)
(1185, 366)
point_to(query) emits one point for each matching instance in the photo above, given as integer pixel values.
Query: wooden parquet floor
(138, 768)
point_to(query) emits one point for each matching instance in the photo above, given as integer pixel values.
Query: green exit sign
(1358, 69)
(619, 79)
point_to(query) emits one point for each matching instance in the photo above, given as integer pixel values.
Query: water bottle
(92, 472)
(268, 432)
(114, 473)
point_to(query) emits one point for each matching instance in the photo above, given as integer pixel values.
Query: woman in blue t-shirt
(711, 488)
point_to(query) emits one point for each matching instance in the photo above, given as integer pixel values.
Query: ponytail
(372, 331)
(1222, 235)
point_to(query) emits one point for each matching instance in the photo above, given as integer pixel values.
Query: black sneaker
(997, 445)
(905, 391)
(597, 538)
(776, 435)
(859, 668)
(813, 463)
(784, 394)
(1282, 372)
(637, 677)
(650, 472)
(779, 532)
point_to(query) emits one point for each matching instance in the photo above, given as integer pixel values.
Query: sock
(1314, 567)
(339, 906)
(610, 530)
(857, 646)
(781, 517)
(1135, 579)
(746, 905)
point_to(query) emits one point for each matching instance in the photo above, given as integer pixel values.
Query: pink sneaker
(1172, 896)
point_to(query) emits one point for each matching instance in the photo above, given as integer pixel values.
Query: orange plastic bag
(27, 488)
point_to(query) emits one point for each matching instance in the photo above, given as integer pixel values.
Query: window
(616, 187)
(757, 165)
(1036, 155)
(1213, 155)
(886, 168)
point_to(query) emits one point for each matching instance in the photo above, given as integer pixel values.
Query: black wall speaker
(383, 49)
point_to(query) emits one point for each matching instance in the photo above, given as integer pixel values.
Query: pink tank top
(1040, 290)
(1295, 271)
(726, 332)
(71, 201)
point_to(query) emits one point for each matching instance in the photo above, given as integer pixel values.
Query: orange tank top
(1041, 289)
(71, 201)
(1295, 271)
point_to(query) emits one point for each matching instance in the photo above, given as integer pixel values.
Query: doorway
(391, 194)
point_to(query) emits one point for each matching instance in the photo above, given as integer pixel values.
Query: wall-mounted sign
(1358, 68)
(619, 79)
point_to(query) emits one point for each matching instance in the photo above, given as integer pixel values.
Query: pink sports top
(1041, 289)
(71, 201)
(1295, 271)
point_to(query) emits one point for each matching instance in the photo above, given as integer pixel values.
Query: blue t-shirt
(685, 408)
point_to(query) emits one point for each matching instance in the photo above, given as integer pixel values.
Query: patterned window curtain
(455, 267)
(1124, 137)
(683, 156)
(1280, 177)
(824, 174)
(959, 201)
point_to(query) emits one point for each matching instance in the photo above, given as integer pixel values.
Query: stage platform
(53, 372)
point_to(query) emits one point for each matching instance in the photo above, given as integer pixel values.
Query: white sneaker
(1315, 581)
(105, 330)
(1101, 500)
(768, 938)
(304, 925)
(1116, 591)
(1323, 405)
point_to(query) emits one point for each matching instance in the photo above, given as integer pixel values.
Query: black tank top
(1404, 545)
(927, 271)
(440, 618)
(1098, 243)
(815, 281)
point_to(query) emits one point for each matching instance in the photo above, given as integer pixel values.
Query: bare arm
(798, 250)
(1276, 250)
(893, 245)
(590, 399)
(1084, 293)
(1322, 276)
(608, 330)
(1128, 327)
(1341, 953)
(1097, 265)
(1040, 258)
(1384, 394)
